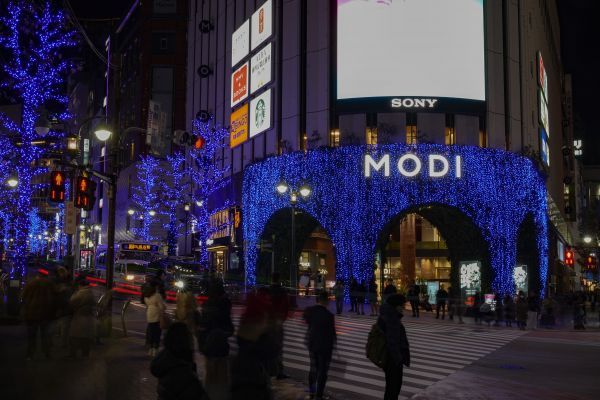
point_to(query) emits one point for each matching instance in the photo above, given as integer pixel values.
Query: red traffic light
(84, 193)
(569, 257)
(57, 186)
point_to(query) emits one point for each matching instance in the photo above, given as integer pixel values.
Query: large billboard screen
(410, 48)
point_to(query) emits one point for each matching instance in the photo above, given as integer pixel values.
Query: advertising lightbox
(260, 113)
(239, 84)
(239, 126)
(260, 68)
(389, 49)
(240, 43)
(544, 117)
(262, 24)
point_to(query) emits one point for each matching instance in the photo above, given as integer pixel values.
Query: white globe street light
(102, 132)
(152, 213)
(130, 211)
(12, 182)
(305, 191)
(587, 239)
(282, 187)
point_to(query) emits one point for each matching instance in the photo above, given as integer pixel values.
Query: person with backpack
(441, 297)
(387, 344)
(321, 337)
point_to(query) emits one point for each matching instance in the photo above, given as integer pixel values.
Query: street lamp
(304, 192)
(131, 211)
(12, 182)
(42, 125)
(587, 239)
(152, 213)
(102, 132)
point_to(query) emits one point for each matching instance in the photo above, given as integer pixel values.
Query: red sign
(239, 84)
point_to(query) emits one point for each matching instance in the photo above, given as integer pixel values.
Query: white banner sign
(262, 24)
(260, 113)
(240, 43)
(260, 68)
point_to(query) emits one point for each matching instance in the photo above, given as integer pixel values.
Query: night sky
(580, 35)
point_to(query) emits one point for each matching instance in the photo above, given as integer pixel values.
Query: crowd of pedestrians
(59, 306)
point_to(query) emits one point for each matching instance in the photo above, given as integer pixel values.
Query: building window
(371, 135)
(411, 128)
(450, 134)
(334, 137)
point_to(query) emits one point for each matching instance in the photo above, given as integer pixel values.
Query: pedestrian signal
(569, 257)
(85, 193)
(57, 186)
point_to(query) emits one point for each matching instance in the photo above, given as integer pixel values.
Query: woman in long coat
(82, 331)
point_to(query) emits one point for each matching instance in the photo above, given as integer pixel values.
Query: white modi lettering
(410, 165)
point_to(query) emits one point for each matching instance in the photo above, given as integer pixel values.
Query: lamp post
(302, 193)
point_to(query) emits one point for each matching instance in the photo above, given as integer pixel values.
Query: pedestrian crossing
(438, 349)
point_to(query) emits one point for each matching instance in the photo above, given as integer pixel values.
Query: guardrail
(123, 312)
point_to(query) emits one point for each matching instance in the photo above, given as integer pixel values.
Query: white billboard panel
(262, 24)
(422, 48)
(260, 113)
(260, 68)
(240, 43)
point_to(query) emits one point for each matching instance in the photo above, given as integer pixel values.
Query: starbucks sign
(260, 113)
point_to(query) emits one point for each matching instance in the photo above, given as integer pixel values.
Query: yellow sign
(239, 126)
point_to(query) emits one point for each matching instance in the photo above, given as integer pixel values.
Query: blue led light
(145, 196)
(208, 174)
(496, 190)
(33, 39)
(175, 192)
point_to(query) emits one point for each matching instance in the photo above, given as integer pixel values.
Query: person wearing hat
(398, 353)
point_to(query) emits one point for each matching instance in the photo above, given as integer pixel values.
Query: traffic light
(569, 257)
(57, 186)
(85, 193)
(590, 262)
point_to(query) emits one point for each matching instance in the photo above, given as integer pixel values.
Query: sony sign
(410, 165)
(413, 103)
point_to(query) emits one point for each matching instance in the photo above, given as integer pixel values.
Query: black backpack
(376, 349)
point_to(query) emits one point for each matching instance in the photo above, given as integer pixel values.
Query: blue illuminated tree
(145, 195)
(33, 40)
(37, 232)
(175, 193)
(209, 174)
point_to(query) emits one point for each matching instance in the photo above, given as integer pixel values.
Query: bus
(131, 262)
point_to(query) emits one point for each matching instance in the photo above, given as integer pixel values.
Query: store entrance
(426, 246)
(314, 253)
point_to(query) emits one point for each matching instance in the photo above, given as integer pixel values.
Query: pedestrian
(147, 290)
(499, 309)
(522, 309)
(175, 368)
(185, 309)
(338, 291)
(373, 297)
(155, 307)
(279, 311)
(256, 345)
(38, 312)
(547, 318)
(321, 338)
(414, 293)
(441, 297)
(158, 280)
(533, 303)
(353, 295)
(389, 289)
(396, 343)
(83, 325)
(477, 303)
(578, 312)
(64, 291)
(214, 329)
(361, 292)
(509, 310)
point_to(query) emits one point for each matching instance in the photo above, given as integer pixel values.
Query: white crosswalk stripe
(437, 349)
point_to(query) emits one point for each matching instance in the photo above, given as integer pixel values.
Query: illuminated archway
(495, 189)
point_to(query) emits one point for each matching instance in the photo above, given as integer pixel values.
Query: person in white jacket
(154, 312)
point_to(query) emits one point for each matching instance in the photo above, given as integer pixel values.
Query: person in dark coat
(175, 368)
(338, 291)
(213, 330)
(82, 331)
(280, 309)
(158, 281)
(256, 346)
(321, 338)
(373, 297)
(414, 293)
(39, 309)
(389, 290)
(509, 310)
(353, 295)
(64, 291)
(441, 297)
(499, 309)
(522, 308)
(361, 293)
(396, 341)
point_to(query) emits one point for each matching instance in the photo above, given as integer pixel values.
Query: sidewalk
(118, 369)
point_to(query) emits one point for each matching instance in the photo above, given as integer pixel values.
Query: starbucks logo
(260, 113)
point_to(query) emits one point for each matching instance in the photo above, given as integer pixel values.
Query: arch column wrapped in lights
(494, 188)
